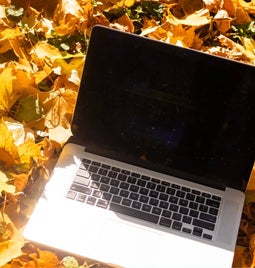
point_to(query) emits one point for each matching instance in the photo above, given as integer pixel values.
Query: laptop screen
(166, 108)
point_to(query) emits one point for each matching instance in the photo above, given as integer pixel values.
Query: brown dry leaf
(124, 23)
(223, 21)
(44, 259)
(191, 6)
(5, 2)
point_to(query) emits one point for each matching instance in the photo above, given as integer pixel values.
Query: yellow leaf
(8, 150)
(28, 151)
(10, 248)
(6, 35)
(8, 95)
(4, 186)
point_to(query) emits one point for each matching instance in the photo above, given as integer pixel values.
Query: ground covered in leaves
(42, 52)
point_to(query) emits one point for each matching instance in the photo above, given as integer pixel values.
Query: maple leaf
(19, 157)
(11, 240)
(4, 185)
(8, 95)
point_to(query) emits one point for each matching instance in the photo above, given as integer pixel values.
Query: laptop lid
(167, 108)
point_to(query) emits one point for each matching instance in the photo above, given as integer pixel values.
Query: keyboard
(169, 205)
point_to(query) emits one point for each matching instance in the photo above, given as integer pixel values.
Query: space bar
(134, 213)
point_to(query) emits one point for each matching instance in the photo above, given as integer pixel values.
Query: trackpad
(133, 246)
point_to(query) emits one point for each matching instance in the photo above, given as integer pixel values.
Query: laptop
(162, 148)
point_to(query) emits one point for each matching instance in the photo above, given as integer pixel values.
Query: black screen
(170, 109)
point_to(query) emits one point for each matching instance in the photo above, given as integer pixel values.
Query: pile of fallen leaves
(42, 52)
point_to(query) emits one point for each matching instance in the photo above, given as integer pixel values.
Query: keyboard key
(102, 203)
(81, 189)
(213, 211)
(156, 210)
(207, 236)
(183, 202)
(106, 166)
(124, 193)
(116, 199)
(177, 216)
(193, 205)
(161, 188)
(71, 194)
(151, 185)
(177, 225)
(163, 204)
(126, 202)
(186, 219)
(83, 173)
(186, 230)
(112, 174)
(134, 174)
(141, 183)
(173, 199)
(91, 200)
(163, 197)
(165, 222)
(207, 217)
(116, 169)
(176, 186)
(197, 231)
(203, 208)
(102, 171)
(180, 194)
(95, 163)
(81, 197)
(105, 180)
(134, 188)
(131, 180)
(190, 196)
(114, 183)
(153, 202)
(136, 205)
(193, 213)
(146, 207)
(212, 203)
(134, 196)
(126, 172)
(166, 213)
(114, 190)
(144, 199)
(134, 213)
(184, 210)
(200, 199)
(185, 189)
(215, 197)
(93, 169)
(174, 207)
(203, 224)
(124, 185)
(153, 194)
(81, 180)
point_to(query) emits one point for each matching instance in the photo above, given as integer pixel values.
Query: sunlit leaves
(4, 185)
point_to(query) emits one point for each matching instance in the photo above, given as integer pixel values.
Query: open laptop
(162, 148)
